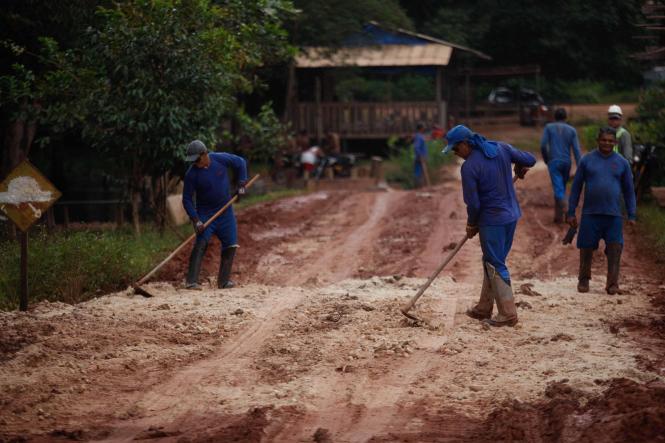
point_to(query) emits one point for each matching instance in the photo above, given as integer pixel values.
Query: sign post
(25, 195)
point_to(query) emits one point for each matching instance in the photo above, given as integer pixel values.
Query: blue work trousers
(559, 174)
(224, 227)
(496, 242)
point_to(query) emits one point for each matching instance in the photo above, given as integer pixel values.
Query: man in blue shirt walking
(420, 162)
(559, 138)
(492, 211)
(606, 178)
(208, 179)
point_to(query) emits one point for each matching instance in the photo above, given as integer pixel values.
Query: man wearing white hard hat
(624, 144)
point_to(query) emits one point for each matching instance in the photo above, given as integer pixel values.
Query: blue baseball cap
(458, 134)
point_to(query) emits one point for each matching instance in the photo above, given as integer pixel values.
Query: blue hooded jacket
(487, 178)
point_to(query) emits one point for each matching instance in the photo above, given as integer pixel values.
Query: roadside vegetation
(77, 265)
(72, 266)
(399, 167)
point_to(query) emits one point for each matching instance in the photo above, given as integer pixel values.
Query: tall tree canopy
(570, 39)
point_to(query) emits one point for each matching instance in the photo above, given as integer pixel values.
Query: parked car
(532, 108)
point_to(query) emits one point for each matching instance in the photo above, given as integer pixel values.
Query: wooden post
(65, 216)
(441, 104)
(467, 94)
(319, 120)
(23, 300)
(50, 219)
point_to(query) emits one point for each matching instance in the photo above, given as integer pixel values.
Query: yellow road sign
(26, 194)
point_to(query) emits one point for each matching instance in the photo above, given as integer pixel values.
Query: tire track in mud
(357, 408)
(346, 250)
(174, 402)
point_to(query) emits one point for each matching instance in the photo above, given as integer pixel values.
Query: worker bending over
(208, 179)
(492, 210)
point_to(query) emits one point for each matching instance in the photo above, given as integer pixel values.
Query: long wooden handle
(424, 287)
(191, 237)
(423, 164)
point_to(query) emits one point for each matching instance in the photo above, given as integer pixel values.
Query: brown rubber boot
(503, 296)
(483, 308)
(613, 252)
(559, 210)
(586, 256)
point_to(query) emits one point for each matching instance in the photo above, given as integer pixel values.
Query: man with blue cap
(208, 179)
(492, 211)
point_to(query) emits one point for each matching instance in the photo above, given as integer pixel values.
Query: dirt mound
(625, 411)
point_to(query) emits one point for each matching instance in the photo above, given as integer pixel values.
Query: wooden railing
(363, 120)
(381, 120)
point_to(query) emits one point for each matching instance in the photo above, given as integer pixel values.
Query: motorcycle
(644, 163)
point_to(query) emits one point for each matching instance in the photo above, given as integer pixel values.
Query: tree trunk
(136, 202)
(135, 190)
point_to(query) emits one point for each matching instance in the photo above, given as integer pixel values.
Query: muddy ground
(311, 345)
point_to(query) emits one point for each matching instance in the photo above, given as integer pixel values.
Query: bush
(77, 265)
(652, 225)
(400, 165)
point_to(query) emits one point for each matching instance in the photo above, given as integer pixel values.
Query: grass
(269, 196)
(74, 266)
(652, 226)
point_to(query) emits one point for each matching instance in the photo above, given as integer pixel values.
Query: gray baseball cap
(194, 150)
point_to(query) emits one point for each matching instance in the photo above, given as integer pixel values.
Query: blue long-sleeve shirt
(487, 185)
(605, 180)
(211, 185)
(557, 141)
(420, 147)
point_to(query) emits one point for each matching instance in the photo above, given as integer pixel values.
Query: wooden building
(313, 107)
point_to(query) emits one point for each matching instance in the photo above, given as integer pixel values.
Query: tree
(328, 23)
(155, 74)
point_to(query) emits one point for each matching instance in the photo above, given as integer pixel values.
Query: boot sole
(497, 324)
(477, 316)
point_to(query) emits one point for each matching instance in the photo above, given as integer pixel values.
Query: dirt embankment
(311, 346)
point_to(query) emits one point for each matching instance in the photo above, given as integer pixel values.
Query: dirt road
(311, 345)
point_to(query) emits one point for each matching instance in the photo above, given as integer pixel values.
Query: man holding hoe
(208, 179)
(492, 211)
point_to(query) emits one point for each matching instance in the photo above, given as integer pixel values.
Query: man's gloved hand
(241, 190)
(520, 171)
(572, 221)
(471, 231)
(198, 226)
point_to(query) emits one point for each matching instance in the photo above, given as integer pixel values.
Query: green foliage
(156, 74)
(652, 226)
(650, 126)
(74, 266)
(400, 166)
(266, 132)
(410, 87)
(570, 40)
(651, 112)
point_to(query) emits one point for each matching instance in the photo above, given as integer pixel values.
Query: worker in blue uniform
(420, 156)
(492, 211)
(208, 180)
(556, 144)
(607, 180)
